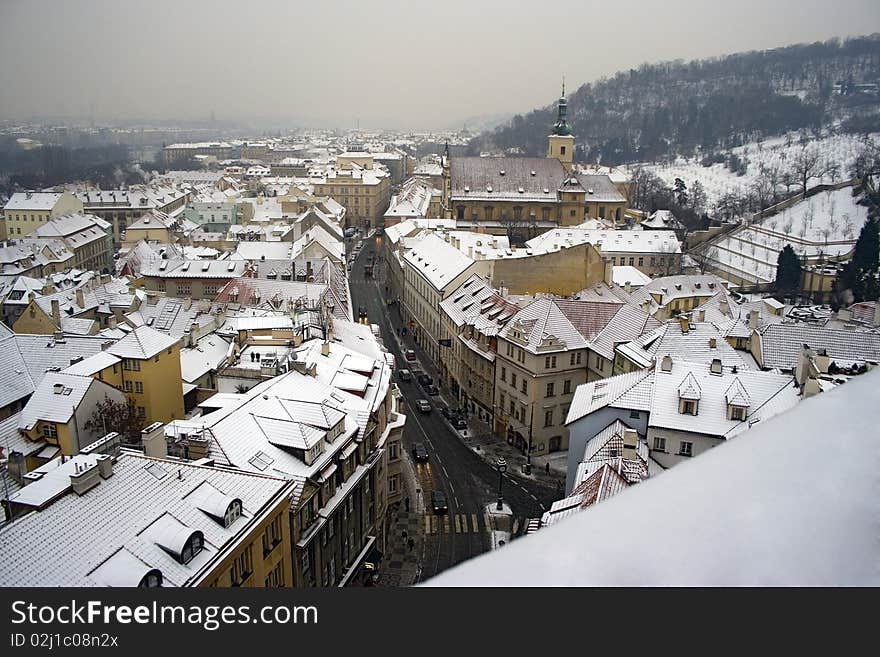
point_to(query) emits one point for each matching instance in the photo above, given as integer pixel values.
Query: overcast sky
(382, 63)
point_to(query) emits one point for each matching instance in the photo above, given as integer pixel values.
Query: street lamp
(501, 466)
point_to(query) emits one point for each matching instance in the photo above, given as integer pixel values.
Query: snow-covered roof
(141, 343)
(140, 513)
(434, 259)
(761, 488)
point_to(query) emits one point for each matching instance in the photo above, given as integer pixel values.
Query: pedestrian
(404, 533)
(406, 503)
(411, 543)
(547, 468)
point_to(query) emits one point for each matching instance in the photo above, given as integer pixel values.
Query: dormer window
(192, 547)
(737, 413)
(233, 513)
(688, 407)
(152, 580)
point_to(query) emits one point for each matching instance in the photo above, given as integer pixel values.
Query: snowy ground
(718, 180)
(828, 222)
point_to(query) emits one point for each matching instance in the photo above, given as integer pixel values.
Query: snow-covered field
(717, 180)
(828, 222)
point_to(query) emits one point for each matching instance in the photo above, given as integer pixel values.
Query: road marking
(533, 497)
(474, 522)
(458, 524)
(444, 469)
(446, 524)
(428, 524)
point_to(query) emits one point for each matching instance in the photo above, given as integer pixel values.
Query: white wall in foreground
(794, 501)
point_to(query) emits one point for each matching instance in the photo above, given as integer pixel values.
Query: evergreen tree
(788, 271)
(860, 275)
(681, 192)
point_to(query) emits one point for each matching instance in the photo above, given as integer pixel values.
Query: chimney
(197, 447)
(753, 319)
(627, 287)
(666, 363)
(724, 306)
(56, 313)
(111, 321)
(85, 477)
(80, 298)
(802, 371)
(685, 324)
(811, 388)
(105, 278)
(822, 361)
(105, 466)
(712, 343)
(701, 315)
(325, 348)
(153, 440)
(630, 444)
(715, 367)
(876, 321)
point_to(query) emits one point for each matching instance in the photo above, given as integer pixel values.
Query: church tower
(560, 144)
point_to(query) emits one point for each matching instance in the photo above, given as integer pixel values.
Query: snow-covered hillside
(717, 180)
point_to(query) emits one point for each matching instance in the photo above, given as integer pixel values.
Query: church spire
(561, 125)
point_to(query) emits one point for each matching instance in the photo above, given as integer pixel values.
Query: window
(127, 386)
(632, 262)
(660, 444)
(525, 386)
(579, 358)
(737, 413)
(272, 535)
(488, 210)
(562, 150)
(192, 547)
(142, 411)
(152, 580)
(139, 387)
(566, 387)
(571, 358)
(545, 214)
(634, 415)
(459, 212)
(572, 213)
(551, 392)
(50, 431)
(392, 484)
(653, 261)
(641, 261)
(513, 379)
(501, 400)
(504, 374)
(242, 567)
(275, 578)
(131, 364)
(688, 407)
(548, 418)
(512, 408)
(233, 513)
(686, 448)
(393, 451)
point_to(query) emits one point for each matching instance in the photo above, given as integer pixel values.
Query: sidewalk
(401, 565)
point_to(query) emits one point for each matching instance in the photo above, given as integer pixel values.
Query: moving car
(432, 391)
(420, 454)
(410, 355)
(423, 405)
(404, 375)
(425, 379)
(438, 501)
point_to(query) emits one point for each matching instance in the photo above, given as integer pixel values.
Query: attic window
(489, 188)
(533, 172)
(501, 173)
(466, 189)
(521, 190)
(546, 191)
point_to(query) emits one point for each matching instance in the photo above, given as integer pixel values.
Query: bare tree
(807, 164)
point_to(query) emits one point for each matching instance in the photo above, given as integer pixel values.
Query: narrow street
(453, 467)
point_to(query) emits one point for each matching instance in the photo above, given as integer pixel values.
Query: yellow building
(525, 196)
(364, 189)
(145, 365)
(115, 517)
(59, 411)
(25, 211)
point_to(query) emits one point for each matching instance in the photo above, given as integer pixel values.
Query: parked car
(410, 355)
(404, 375)
(444, 411)
(432, 391)
(425, 379)
(423, 405)
(438, 501)
(420, 454)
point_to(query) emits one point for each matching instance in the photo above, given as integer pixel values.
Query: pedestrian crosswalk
(459, 523)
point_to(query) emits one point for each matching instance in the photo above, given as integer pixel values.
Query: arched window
(192, 547)
(152, 580)
(233, 512)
